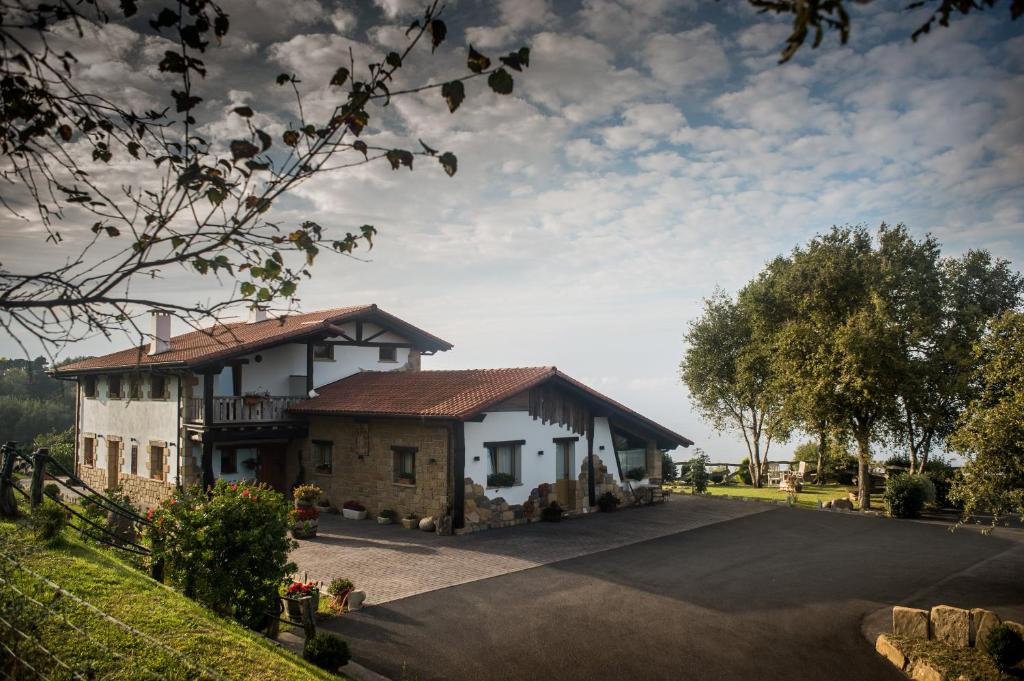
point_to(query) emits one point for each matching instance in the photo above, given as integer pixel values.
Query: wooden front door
(113, 462)
(272, 465)
(565, 469)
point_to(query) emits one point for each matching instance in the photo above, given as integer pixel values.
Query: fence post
(308, 617)
(8, 504)
(38, 473)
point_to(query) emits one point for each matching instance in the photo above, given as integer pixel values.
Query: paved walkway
(389, 562)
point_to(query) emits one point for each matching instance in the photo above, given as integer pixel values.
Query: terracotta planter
(353, 515)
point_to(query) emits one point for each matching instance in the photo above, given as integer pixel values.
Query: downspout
(180, 427)
(78, 423)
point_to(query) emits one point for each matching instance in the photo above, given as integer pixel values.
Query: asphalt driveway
(775, 595)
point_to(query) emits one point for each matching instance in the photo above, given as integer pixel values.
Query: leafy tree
(61, 445)
(729, 373)
(197, 201)
(668, 467)
(31, 402)
(834, 457)
(699, 472)
(821, 16)
(990, 435)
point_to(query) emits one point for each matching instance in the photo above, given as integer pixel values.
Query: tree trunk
(911, 442)
(822, 443)
(758, 466)
(864, 473)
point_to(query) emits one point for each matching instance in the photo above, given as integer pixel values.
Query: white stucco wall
(535, 469)
(141, 419)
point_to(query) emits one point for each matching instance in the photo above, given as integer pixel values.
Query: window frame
(152, 389)
(329, 355)
(153, 446)
(390, 349)
(231, 452)
(398, 454)
(89, 385)
(560, 443)
(133, 461)
(318, 460)
(517, 459)
(134, 387)
(89, 452)
(111, 395)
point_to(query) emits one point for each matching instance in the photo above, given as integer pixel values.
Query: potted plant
(323, 468)
(607, 502)
(353, 510)
(324, 503)
(406, 479)
(305, 522)
(411, 521)
(306, 495)
(501, 480)
(339, 589)
(386, 517)
(253, 398)
(552, 513)
(295, 593)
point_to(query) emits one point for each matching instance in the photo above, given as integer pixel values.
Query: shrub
(326, 651)
(308, 493)
(607, 502)
(637, 473)
(48, 521)
(339, 585)
(387, 513)
(552, 513)
(227, 549)
(353, 506)
(744, 473)
(52, 490)
(906, 495)
(1005, 647)
(942, 476)
(501, 480)
(699, 474)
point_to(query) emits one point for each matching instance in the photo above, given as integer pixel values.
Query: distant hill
(32, 403)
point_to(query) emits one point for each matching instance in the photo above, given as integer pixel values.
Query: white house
(337, 397)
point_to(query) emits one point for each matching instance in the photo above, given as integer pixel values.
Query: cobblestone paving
(389, 562)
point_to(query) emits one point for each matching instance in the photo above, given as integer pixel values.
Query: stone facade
(93, 476)
(145, 492)
(363, 467)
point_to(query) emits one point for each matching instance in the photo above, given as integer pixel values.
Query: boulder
(472, 517)
(910, 622)
(842, 504)
(478, 490)
(982, 622)
(951, 626)
(482, 501)
(922, 671)
(427, 524)
(1016, 626)
(889, 651)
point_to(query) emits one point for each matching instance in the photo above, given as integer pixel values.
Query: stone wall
(93, 476)
(363, 463)
(483, 512)
(145, 493)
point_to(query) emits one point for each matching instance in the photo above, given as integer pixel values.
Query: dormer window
(388, 353)
(323, 352)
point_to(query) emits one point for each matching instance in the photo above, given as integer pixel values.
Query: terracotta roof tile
(224, 340)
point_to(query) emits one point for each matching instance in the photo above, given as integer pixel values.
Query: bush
(637, 473)
(501, 480)
(308, 493)
(48, 521)
(387, 513)
(552, 513)
(607, 502)
(227, 549)
(668, 467)
(906, 495)
(942, 476)
(744, 473)
(339, 585)
(699, 474)
(326, 651)
(1005, 647)
(52, 490)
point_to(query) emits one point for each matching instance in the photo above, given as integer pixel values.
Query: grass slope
(205, 640)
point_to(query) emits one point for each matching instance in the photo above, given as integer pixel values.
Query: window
(135, 387)
(89, 386)
(323, 456)
(404, 465)
(633, 461)
(323, 352)
(114, 387)
(506, 468)
(157, 387)
(156, 462)
(89, 450)
(565, 458)
(228, 460)
(135, 459)
(387, 353)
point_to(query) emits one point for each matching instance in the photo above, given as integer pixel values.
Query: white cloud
(688, 57)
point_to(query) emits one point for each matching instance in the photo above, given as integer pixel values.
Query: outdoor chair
(774, 474)
(801, 471)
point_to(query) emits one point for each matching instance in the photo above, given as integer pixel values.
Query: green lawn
(809, 497)
(204, 644)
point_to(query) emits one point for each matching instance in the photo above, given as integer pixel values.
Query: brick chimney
(160, 331)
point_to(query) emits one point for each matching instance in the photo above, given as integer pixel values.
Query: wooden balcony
(240, 410)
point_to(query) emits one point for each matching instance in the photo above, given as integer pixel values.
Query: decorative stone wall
(93, 476)
(483, 512)
(145, 492)
(363, 464)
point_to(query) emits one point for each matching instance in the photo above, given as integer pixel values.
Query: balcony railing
(243, 409)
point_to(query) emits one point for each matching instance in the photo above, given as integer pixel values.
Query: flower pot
(294, 605)
(355, 600)
(410, 523)
(383, 521)
(353, 515)
(303, 503)
(305, 529)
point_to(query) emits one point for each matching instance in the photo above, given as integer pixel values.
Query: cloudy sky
(653, 151)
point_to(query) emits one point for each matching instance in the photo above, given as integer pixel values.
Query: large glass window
(633, 461)
(506, 463)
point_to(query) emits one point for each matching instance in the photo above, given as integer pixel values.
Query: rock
(982, 622)
(472, 517)
(1016, 626)
(842, 504)
(910, 622)
(427, 524)
(922, 671)
(485, 514)
(507, 515)
(887, 649)
(469, 505)
(951, 626)
(478, 490)
(482, 501)
(468, 482)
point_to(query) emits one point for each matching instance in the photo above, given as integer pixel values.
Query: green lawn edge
(808, 497)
